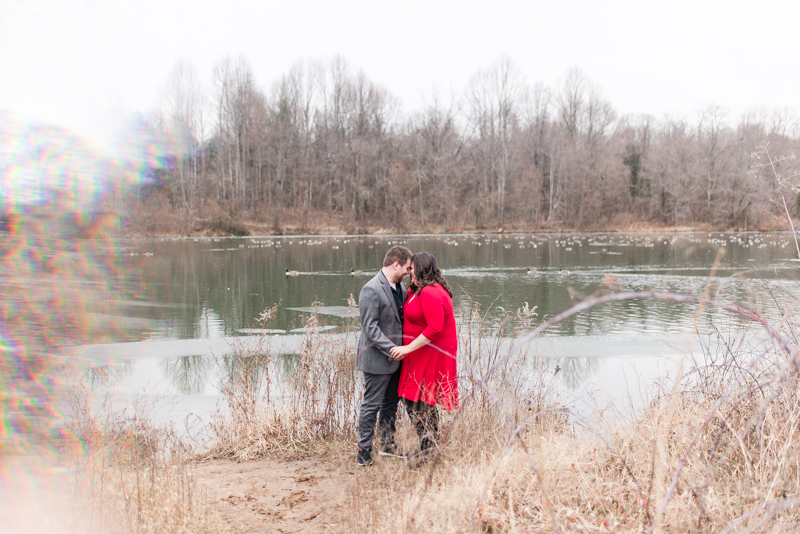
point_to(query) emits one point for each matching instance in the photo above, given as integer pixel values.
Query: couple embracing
(407, 351)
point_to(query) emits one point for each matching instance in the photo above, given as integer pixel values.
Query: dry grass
(298, 401)
(131, 476)
(725, 435)
(222, 223)
(716, 449)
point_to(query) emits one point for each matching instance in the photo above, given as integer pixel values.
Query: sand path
(280, 495)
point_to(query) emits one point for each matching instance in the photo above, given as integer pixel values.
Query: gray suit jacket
(381, 328)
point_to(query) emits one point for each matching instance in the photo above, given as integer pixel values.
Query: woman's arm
(400, 351)
(433, 312)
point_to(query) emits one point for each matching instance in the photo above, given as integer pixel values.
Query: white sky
(79, 63)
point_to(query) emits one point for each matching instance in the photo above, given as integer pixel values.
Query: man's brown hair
(397, 253)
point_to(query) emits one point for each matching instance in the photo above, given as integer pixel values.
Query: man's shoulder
(373, 284)
(375, 281)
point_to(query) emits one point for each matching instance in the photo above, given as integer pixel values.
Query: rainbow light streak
(60, 201)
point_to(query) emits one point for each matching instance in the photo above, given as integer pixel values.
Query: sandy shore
(311, 493)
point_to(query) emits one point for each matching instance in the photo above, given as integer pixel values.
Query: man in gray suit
(381, 305)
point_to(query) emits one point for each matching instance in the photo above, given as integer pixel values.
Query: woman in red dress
(428, 375)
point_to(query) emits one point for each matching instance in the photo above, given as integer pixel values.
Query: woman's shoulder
(436, 290)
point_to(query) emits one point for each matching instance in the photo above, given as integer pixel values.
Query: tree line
(325, 142)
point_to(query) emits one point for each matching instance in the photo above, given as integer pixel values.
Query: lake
(185, 299)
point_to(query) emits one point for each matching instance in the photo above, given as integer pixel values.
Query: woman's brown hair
(427, 273)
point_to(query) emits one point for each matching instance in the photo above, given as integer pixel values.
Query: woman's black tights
(425, 419)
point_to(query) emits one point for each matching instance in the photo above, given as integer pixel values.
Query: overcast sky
(81, 63)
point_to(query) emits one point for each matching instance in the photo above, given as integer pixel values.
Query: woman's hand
(399, 352)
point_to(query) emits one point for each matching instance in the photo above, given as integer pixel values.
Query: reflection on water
(207, 291)
(574, 371)
(188, 374)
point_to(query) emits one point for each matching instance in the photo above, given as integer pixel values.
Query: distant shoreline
(263, 230)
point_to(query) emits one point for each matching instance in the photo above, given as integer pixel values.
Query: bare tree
(239, 106)
(585, 117)
(435, 147)
(540, 148)
(181, 120)
(712, 153)
(494, 96)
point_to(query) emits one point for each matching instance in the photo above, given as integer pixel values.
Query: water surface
(188, 297)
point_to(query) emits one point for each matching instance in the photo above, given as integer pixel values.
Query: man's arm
(368, 306)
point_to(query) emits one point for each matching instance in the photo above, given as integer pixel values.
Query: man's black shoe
(392, 450)
(364, 457)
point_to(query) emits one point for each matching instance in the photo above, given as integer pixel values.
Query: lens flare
(60, 279)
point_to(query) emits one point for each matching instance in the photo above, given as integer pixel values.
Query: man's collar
(385, 277)
(398, 284)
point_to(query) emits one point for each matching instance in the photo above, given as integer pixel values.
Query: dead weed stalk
(289, 401)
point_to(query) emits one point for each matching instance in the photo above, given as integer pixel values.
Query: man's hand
(399, 352)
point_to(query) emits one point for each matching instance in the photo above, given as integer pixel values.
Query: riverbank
(163, 223)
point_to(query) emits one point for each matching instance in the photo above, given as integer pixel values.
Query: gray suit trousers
(380, 398)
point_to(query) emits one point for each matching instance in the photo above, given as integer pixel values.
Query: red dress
(429, 373)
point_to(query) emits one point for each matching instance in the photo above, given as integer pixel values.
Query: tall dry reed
(279, 402)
